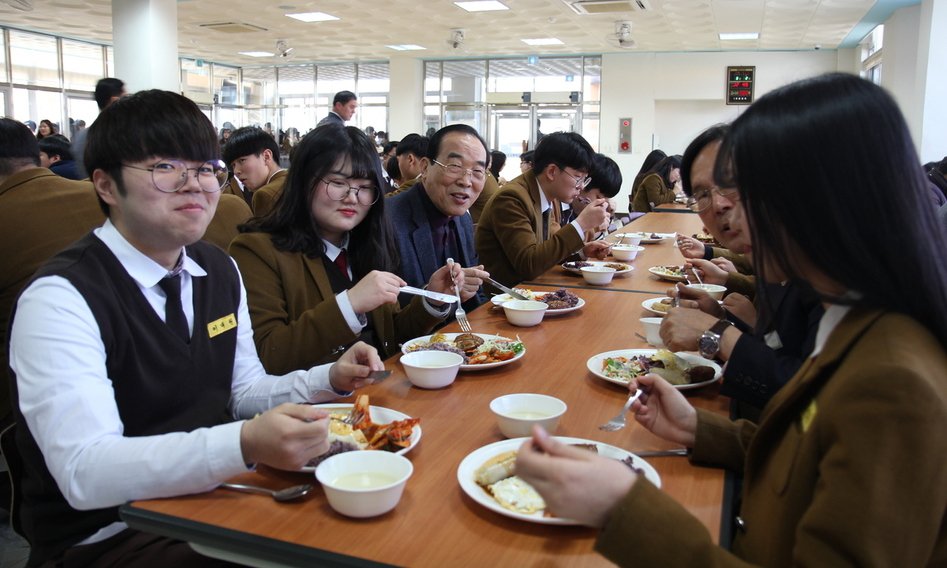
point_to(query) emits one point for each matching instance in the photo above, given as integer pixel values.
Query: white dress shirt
(545, 204)
(66, 397)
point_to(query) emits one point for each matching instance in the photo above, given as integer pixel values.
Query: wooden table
(658, 254)
(436, 524)
(674, 207)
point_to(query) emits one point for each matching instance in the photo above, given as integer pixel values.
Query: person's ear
(549, 172)
(267, 156)
(54, 158)
(105, 187)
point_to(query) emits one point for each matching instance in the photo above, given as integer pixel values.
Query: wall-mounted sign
(740, 85)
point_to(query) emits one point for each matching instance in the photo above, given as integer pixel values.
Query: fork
(460, 314)
(618, 422)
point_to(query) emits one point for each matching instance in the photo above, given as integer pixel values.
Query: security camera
(456, 38)
(817, 46)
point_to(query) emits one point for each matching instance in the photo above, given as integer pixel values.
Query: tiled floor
(13, 549)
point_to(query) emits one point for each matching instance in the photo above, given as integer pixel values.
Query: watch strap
(720, 326)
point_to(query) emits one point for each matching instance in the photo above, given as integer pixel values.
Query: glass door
(510, 134)
(554, 118)
(81, 110)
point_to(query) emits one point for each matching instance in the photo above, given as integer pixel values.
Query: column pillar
(932, 60)
(145, 35)
(405, 97)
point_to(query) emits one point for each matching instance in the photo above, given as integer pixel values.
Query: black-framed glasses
(169, 176)
(704, 198)
(580, 182)
(457, 171)
(338, 190)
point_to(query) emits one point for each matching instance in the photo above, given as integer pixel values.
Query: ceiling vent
(587, 7)
(233, 27)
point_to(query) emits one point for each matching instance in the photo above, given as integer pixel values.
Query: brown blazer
(509, 233)
(40, 214)
(264, 199)
(490, 188)
(233, 188)
(847, 466)
(651, 190)
(231, 211)
(296, 320)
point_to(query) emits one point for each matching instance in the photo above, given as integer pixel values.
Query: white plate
(647, 240)
(481, 367)
(660, 273)
(379, 415)
(594, 365)
(476, 458)
(628, 267)
(650, 302)
(500, 298)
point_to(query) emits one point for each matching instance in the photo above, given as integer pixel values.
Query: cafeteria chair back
(14, 471)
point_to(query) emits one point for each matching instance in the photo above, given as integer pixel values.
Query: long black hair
(663, 169)
(829, 176)
(291, 224)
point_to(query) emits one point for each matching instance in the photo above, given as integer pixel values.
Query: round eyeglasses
(338, 190)
(457, 171)
(704, 198)
(580, 182)
(169, 176)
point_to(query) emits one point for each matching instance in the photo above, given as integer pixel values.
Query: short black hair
(497, 161)
(18, 146)
(434, 147)
(107, 88)
(713, 134)
(388, 146)
(527, 157)
(144, 125)
(249, 140)
(343, 97)
(56, 145)
(565, 149)
(413, 144)
(606, 175)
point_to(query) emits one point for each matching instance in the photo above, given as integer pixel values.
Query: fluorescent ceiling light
(542, 41)
(257, 53)
(312, 17)
(740, 35)
(406, 47)
(482, 6)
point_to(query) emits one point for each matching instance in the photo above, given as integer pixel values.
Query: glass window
(432, 117)
(110, 61)
(259, 86)
(82, 111)
(34, 60)
(432, 82)
(297, 100)
(36, 105)
(195, 77)
(464, 81)
(592, 79)
(3, 61)
(373, 87)
(82, 65)
(225, 84)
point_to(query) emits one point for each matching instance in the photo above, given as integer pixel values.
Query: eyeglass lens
(339, 190)
(171, 176)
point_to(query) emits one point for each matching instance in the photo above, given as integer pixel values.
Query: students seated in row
(253, 157)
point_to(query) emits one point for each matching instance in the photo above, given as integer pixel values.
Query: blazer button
(741, 524)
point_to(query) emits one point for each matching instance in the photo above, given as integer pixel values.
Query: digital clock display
(740, 85)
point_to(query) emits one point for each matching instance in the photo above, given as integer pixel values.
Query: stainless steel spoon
(281, 495)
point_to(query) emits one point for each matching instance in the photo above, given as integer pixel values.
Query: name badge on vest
(225, 323)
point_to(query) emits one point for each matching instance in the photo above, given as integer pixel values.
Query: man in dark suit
(430, 219)
(518, 235)
(343, 108)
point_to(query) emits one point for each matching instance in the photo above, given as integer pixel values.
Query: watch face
(708, 346)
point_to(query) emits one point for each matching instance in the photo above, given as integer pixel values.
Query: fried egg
(342, 432)
(517, 495)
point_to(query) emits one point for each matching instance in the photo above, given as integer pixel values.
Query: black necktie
(173, 311)
(546, 224)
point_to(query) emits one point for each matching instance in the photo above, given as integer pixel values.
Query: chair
(14, 470)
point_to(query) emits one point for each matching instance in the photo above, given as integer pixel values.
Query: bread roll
(496, 468)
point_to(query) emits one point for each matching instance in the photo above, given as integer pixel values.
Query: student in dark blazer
(430, 220)
(320, 269)
(847, 465)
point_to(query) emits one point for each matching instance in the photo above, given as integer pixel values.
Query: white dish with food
(654, 305)
(431, 369)
(379, 415)
(652, 238)
(715, 291)
(517, 413)
(525, 313)
(499, 299)
(364, 484)
(652, 330)
(468, 469)
(666, 273)
(517, 348)
(598, 275)
(595, 364)
(575, 267)
(626, 252)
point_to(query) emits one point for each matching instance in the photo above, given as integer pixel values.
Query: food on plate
(576, 264)
(496, 468)
(560, 299)
(474, 349)
(664, 363)
(355, 431)
(630, 462)
(663, 306)
(673, 271)
(617, 266)
(706, 239)
(511, 492)
(655, 236)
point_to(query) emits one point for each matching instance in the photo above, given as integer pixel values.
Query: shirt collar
(144, 270)
(830, 319)
(332, 251)
(544, 203)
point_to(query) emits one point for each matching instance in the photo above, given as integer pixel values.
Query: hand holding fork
(460, 314)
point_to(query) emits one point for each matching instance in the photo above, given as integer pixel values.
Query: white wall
(405, 97)
(671, 97)
(932, 64)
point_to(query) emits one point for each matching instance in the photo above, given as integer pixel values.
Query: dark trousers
(133, 548)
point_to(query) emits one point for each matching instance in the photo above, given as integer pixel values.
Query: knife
(513, 293)
(446, 298)
(661, 453)
(378, 376)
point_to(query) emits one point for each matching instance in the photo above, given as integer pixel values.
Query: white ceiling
(366, 27)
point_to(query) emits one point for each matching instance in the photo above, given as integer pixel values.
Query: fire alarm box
(740, 85)
(624, 135)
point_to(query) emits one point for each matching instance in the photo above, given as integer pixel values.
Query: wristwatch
(709, 343)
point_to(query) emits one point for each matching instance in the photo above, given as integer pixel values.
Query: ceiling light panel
(257, 53)
(406, 47)
(739, 36)
(482, 6)
(312, 17)
(542, 41)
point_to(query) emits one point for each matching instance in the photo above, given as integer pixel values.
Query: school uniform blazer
(846, 468)
(651, 191)
(264, 199)
(509, 239)
(415, 242)
(490, 187)
(296, 319)
(231, 211)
